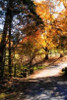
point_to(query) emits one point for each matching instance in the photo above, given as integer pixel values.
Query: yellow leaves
(53, 17)
(2, 96)
(0, 37)
(65, 12)
(55, 22)
(40, 41)
(54, 31)
(49, 27)
(16, 56)
(42, 10)
(64, 33)
(45, 37)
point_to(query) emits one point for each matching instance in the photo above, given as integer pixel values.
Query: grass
(39, 67)
(2, 96)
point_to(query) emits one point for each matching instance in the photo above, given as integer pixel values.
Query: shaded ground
(39, 86)
(52, 88)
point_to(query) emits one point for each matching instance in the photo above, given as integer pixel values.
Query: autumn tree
(14, 7)
(45, 11)
(54, 22)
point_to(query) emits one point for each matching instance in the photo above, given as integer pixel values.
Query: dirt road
(46, 84)
(50, 71)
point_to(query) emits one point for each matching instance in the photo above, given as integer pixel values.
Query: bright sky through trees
(57, 8)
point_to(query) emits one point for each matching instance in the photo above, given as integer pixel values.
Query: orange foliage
(54, 28)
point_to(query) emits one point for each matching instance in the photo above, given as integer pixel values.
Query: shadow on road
(52, 88)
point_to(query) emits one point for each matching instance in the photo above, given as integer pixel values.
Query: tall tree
(13, 7)
(4, 34)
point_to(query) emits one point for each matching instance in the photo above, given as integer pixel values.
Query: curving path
(50, 71)
(47, 84)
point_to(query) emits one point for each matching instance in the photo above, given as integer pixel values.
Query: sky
(1, 27)
(57, 9)
(60, 7)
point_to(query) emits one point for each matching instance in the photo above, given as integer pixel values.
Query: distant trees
(30, 45)
(14, 7)
(31, 26)
(54, 28)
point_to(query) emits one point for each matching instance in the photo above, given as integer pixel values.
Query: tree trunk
(15, 70)
(61, 55)
(31, 70)
(2, 46)
(4, 34)
(46, 56)
(9, 62)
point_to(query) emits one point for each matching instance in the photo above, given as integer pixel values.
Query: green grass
(39, 67)
(2, 96)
